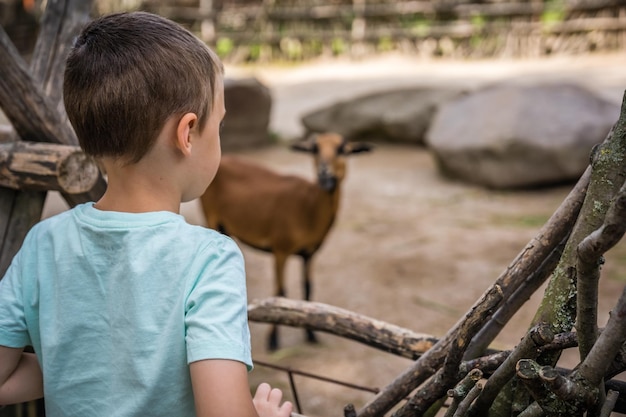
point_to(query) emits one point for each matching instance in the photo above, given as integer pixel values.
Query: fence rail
(296, 30)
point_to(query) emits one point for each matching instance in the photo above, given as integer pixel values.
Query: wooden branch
(45, 166)
(462, 389)
(427, 364)
(574, 391)
(526, 262)
(538, 336)
(590, 252)
(558, 307)
(594, 368)
(7, 134)
(466, 402)
(618, 365)
(511, 305)
(60, 23)
(573, 395)
(19, 211)
(447, 376)
(340, 322)
(393, 9)
(35, 117)
(609, 404)
(527, 370)
(534, 255)
(24, 103)
(459, 31)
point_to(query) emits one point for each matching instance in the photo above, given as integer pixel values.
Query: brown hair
(127, 74)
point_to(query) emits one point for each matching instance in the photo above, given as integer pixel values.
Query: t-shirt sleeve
(216, 310)
(13, 329)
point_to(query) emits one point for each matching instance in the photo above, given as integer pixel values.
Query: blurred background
(483, 114)
(297, 30)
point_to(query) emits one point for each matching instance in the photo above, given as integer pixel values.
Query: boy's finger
(275, 396)
(263, 392)
(286, 408)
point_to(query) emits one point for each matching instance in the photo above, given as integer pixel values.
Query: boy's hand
(267, 402)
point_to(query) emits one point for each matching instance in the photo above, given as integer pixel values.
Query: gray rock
(248, 106)
(511, 136)
(401, 116)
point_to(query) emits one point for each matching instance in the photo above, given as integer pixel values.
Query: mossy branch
(558, 306)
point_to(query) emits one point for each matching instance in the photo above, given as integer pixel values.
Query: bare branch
(608, 174)
(539, 335)
(46, 166)
(527, 261)
(467, 401)
(609, 404)
(595, 366)
(462, 390)
(340, 322)
(573, 391)
(512, 304)
(590, 252)
(527, 371)
(448, 374)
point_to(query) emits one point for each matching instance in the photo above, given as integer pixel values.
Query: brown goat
(282, 214)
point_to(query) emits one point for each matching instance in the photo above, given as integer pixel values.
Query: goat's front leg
(280, 259)
(306, 278)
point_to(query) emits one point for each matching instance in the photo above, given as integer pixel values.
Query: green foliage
(224, 46)
(385, 44)
(292, 48)
(421, 26)
(475, 41)
(314, 47)
(478, 21)
(254, 52)
(338, 46)
(553, 13)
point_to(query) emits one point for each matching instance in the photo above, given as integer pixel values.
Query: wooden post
(358, 28)
(31, 101)
(46, 166)
(207, 26)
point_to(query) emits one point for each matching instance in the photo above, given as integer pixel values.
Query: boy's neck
(136, 188)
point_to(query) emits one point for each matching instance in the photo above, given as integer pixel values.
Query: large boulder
(248, 105)
(512, 136)
(400, 116)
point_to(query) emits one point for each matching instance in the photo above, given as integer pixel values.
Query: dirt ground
(409, 247)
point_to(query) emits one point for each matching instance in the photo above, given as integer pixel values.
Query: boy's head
(127, 74)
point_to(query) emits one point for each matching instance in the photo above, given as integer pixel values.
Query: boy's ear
(186, 125)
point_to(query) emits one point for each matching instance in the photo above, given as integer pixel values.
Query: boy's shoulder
(212, 237)
(85, 214)
(52, 222)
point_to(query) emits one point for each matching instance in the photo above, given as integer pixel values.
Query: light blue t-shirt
(116, 305)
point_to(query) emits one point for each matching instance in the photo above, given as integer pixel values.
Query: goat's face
(330, 150)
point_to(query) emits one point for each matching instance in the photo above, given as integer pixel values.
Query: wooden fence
(296, 30)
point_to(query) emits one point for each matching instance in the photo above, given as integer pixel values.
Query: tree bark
(608, 174)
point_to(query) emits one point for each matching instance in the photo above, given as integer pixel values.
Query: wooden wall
(300, 29)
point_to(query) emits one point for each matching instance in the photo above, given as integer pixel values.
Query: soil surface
(409, 247)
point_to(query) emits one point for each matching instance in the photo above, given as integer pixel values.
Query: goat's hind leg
(306, 278)
(280, 260)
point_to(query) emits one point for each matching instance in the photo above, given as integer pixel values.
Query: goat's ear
(308, 145)
(356, 147)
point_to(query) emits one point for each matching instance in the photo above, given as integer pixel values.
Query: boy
(132, 311)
